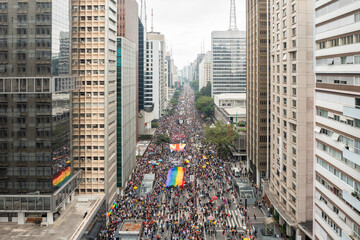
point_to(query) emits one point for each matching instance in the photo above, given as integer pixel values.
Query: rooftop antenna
(152, 20)
(232, 16)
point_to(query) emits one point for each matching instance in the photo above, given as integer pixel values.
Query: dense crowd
(186, 212)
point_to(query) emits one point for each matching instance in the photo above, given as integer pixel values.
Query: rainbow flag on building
(60, 178)
(175, 177)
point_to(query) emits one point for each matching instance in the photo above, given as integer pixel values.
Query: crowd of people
(201, 205)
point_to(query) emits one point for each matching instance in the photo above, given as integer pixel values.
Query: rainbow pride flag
(177, 147)
(175, 177)
(62, 177)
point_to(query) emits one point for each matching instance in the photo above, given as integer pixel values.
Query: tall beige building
(290, 191)
(94, 106)
(257, 89)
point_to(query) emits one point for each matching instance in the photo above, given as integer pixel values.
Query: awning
(268, 220)
(317, 129)
(335, 136)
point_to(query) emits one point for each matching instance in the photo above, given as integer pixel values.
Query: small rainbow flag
(175, 177)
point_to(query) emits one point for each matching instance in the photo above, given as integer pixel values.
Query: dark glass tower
(141, 65)
(35, 89)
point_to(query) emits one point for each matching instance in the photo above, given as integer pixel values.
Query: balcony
(352, 198)
(351, 112)
(351, 156)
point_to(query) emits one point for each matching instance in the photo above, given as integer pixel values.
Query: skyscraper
(337, 117)
(127, 76)
(126, 109)
(257, 89)
(205, 69)
(292, 113)
(94, 105)
(35, 109)
(155, 85)
(141, 58)
(228, 61)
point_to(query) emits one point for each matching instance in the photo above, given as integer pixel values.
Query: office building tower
(257, 90)
(292, 114)
(205, 69)
(36, 177)
(128, 28)
(141, 57)
(228, 61)
(94, 105)
(337, 120)
(155, 85)
(126, 109)
(171, 70)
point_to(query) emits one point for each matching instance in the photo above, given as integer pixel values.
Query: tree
(206, 91)
(222, 136)
(161, 138)
(205, 105)
(195, 85)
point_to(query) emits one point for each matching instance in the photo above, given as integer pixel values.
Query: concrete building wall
(94, 141)
(292, 113)
(257, 89)
(337, 117)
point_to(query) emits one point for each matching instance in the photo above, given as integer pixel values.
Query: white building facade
(155, 84)
(337, 130)
(205, 70)
(228, 61)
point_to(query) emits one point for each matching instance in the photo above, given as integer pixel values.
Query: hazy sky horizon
(188, 23)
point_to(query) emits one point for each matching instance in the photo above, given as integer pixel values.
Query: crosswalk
(235, 219)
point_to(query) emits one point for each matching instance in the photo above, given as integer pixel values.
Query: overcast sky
(187, 23)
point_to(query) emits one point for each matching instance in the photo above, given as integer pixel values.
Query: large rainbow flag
(60, 178)
(177, 147)
(175, 177)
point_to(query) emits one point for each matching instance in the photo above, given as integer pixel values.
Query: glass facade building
(126, 109)
(35, 89)
(228, 61)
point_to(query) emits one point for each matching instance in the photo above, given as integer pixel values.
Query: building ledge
(307, 228)
(278, 207)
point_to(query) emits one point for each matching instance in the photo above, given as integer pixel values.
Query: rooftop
(231, 96)
(233, 111)
(69, 223)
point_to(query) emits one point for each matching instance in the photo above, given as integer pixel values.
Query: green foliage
(161, 138)
(221, 135)
(206, 91)
(145, 137)
(195, 85)
(154, 124)
(205, 105)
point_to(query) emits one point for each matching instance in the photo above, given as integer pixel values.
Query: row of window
(89, 18)
(28, 171)
(88, 7)
(88, 137)
(88, 126)
(324, 113)
(88, 147)
(26, 185)
(350, 39)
